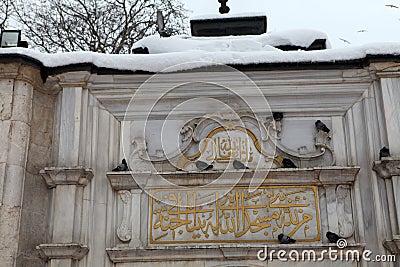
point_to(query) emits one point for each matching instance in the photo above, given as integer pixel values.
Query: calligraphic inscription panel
(215, 216)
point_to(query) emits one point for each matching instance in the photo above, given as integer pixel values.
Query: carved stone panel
(124, 232)
(222, 216)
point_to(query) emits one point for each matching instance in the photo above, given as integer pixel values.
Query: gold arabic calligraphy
(230, 148)
(202, 216)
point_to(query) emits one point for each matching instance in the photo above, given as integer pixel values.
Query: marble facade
(61, 205)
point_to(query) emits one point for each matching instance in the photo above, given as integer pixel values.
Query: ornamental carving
(219, 139)
(124, 231)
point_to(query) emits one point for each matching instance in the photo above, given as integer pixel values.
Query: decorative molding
(317, 93)
(319, 176)
(393, 245)
(63, 251)
(55, 176)
(214, 252)
(344, 214)
(386, 69)
(123, 232)
(74, 79)
(387, 167)
(220, 138)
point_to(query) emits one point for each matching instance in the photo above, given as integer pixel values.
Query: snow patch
(190, 59)
(228, 16)
(263, 42)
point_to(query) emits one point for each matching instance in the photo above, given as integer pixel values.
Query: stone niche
(225, 212)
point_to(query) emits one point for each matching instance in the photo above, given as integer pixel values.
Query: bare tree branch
(106, 26)
(5, 12)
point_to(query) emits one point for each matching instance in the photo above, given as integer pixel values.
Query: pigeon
(362, 31)
(332, 237)
(203, 166)
(384, 152)
(161, 25)
(321, 126)
(278, 116)
(121, 167)
(285, 239)
(287, 163)
(239, 165)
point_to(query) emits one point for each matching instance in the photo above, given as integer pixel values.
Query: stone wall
(22, 152)
(34, 218)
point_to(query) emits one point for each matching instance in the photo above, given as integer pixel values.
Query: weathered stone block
(4, 136)
(19, 138)
(6, 94)
(22, 109)
(13, 185)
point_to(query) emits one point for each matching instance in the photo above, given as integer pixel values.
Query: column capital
(387, 167)
(73, 79)
(386, 69)
(63, 251)
(393, 245)
(78, 176)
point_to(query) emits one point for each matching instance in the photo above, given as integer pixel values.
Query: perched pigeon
(287, 163)
(285, 239)
(332, 237)
(203, 166)
(321, 126)
(384, 153)
(239, 165)
(121, 167)
(278, 116)
(161, 25)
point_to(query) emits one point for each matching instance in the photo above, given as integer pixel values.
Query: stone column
(389, 169)
(67, 185)
(70, 115)
(16, 94)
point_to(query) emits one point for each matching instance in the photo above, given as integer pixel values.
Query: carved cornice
(393, 245)
(74, 79)
(386, 69)
(318, 176)
(387, 167)
(55, 176)
(217, 252)
(63, 251)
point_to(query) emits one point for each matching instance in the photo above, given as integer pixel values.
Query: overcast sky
(337, 18)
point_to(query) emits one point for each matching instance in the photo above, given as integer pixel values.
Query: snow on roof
(228, 16)
(190, 59)
(297, 37)
(263, 42)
